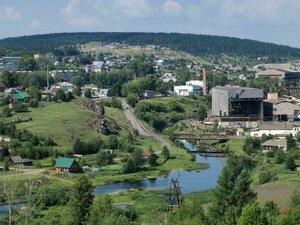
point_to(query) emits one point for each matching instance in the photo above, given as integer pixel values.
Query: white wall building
(194, 83)
(276, 129)
(190, 87)
(183, 90)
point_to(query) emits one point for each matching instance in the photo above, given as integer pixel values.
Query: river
(189, 181)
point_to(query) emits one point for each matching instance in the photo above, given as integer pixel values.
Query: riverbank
(180, 159)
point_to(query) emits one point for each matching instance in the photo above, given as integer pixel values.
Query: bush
(104, 158)
(270, 154)
(20, 107)
(34, 103)
(266, 177)
(132, 99)
(279, 157)
(290, 162)
(6, 112)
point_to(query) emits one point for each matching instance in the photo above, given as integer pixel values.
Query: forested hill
(191, 43)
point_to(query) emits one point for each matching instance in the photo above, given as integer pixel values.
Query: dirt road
(136, 124)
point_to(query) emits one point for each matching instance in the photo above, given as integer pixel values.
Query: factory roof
(229, 87)
(275, 101)
(278, 126)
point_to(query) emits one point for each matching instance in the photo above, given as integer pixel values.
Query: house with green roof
(67, 165)
(21, 96)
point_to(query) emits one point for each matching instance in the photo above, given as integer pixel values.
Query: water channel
(190, 181)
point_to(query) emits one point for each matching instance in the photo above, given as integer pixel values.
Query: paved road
(136, 124)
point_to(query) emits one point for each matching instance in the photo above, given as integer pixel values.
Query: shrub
(290, 162)
(20, 107)
(279, 157)
(270, 154)
(266, 177)
(34, 103)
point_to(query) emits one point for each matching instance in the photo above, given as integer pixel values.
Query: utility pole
(48, 85)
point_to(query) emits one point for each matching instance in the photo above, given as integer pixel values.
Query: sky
(274, 21)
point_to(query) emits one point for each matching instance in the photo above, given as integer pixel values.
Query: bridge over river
(200, 137)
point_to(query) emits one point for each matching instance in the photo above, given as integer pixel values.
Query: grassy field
(65, 122)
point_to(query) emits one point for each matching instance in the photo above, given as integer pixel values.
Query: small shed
(19, 161)
(147, 94)
(275, 144)
(67, 165)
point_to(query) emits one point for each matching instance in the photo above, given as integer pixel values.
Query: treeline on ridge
(190, 43)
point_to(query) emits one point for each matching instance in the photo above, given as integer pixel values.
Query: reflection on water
(190, 181)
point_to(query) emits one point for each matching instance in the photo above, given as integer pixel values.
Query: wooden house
(19, 161)
(67, 165)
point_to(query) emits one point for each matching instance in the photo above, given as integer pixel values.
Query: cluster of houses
(9, 63)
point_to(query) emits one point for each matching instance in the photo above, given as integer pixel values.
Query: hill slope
(191, 43)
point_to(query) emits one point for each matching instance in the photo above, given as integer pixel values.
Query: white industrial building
(276, 129)
(190, 87)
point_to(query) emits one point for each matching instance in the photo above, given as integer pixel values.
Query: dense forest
(195, 44)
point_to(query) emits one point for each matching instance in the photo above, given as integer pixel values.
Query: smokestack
(204, 81)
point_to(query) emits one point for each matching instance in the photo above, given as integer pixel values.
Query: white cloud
(265, 11)
(171, 8)
(83, 21)
(71, 8)
(34, 24)
(73, 17)
(10, 13)
(133, 8)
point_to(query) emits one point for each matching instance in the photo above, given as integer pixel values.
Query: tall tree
(252, 214)
(165, 153)
(232, 192)
(202, 114)
(81, 200)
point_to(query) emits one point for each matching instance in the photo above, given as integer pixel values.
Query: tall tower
(204, 81)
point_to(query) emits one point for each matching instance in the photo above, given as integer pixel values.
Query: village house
(92, 87)
(65, 86)
(167, 77)
(279, 129)
(102, 93)
(21, 96)
(275, 144)
(65, 75)
(67, 165)
(19, 161)
(5, 139)
(98, 66)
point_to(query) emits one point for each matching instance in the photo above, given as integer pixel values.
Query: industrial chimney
(204, 81)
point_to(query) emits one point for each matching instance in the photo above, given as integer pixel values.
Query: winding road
(136, 124)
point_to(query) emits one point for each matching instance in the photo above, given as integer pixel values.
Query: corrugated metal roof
(21, 95)
(64, 162)
(275, 143)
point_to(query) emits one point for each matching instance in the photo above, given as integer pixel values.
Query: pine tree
(232, 192)
(81, 200)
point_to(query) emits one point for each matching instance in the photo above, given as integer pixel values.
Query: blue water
(4, 209)
(190, 181)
